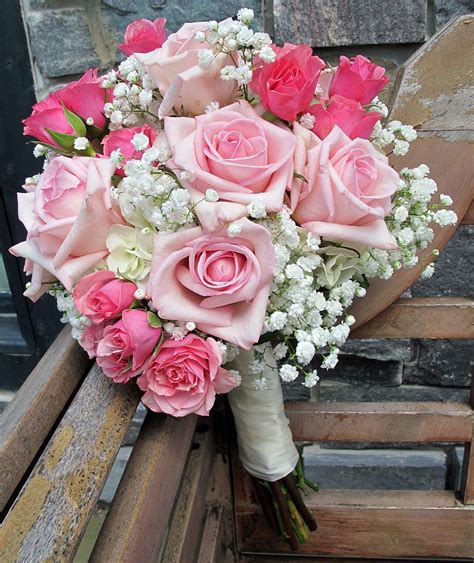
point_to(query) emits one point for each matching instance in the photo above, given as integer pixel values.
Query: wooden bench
(183, 496)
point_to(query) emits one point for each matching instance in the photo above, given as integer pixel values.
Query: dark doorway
(26, 330)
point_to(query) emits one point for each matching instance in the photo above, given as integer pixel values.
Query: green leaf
(75, 122)
(64, 140)
(153, 320)
(269, 116)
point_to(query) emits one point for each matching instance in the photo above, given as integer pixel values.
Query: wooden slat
(393, 524)
(468, 218)
(380, 422)
(442, 106)
(33, 412)
(187, 522)
(424, 317)
(136, 524)
(53, 508)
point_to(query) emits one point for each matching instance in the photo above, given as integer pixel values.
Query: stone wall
(68, 36)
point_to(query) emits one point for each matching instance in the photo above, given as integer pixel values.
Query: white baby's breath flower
(277, 320)
(256, 209)
(234, 229)
(205, 57)
(246, 15)
(280, 351)
(311, 380)
(305, 352)
(81, 143)
(40, 150)
(288, 373)
(211, 195)
(428, 271)
(140, 141)
(445, 200)
(445, 217)
(90, 121)
(267, 54)
(408, 133)
(200, 37)
(400, 148)
(211, 106)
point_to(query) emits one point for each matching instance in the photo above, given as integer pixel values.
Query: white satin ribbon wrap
(266, 447)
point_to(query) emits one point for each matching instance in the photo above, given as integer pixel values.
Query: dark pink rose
(184, 377)
(127, 345)
(347, 114)
(358, 79)
(86, 97)
(122, 139)
(91, 336)
(143, 36)
(286, 86)
(101, 296)
(47, 114)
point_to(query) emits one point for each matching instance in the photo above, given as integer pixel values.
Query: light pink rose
(183, 83)
(347, 114)
(143, 36)
(86, 97)
(358, 79)
(127, 346)
(286, 86)
(91, 336)
(184, 377)
(122, 139)
(68, 216)
(220, 283)
(100, 296)
(236, 152)
(348, 190)
(47, 114)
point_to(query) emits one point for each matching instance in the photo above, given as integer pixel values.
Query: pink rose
(91, 336)
(101, 296)
(127, 345)
(348, 115)
(143, 36)
(68, 216)
(183, 83)
(184, 377)
(86, 97)
(236, 152)
(122, 139)
(358, 79)
(220, 283)
(348, 191)
(47, 114)
(286, 86)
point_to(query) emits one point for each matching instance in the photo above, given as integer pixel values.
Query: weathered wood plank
(441, 104)
(33, 412)
(51, 512)
(427, 317)
(393, 524)
(137, 522)
(380, 422)
(187, 523)
(468, 218)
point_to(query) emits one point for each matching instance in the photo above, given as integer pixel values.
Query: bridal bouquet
(206, 214)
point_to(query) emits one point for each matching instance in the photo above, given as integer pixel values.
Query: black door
(26, 329)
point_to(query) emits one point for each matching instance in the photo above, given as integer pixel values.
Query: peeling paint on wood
(52, 511)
